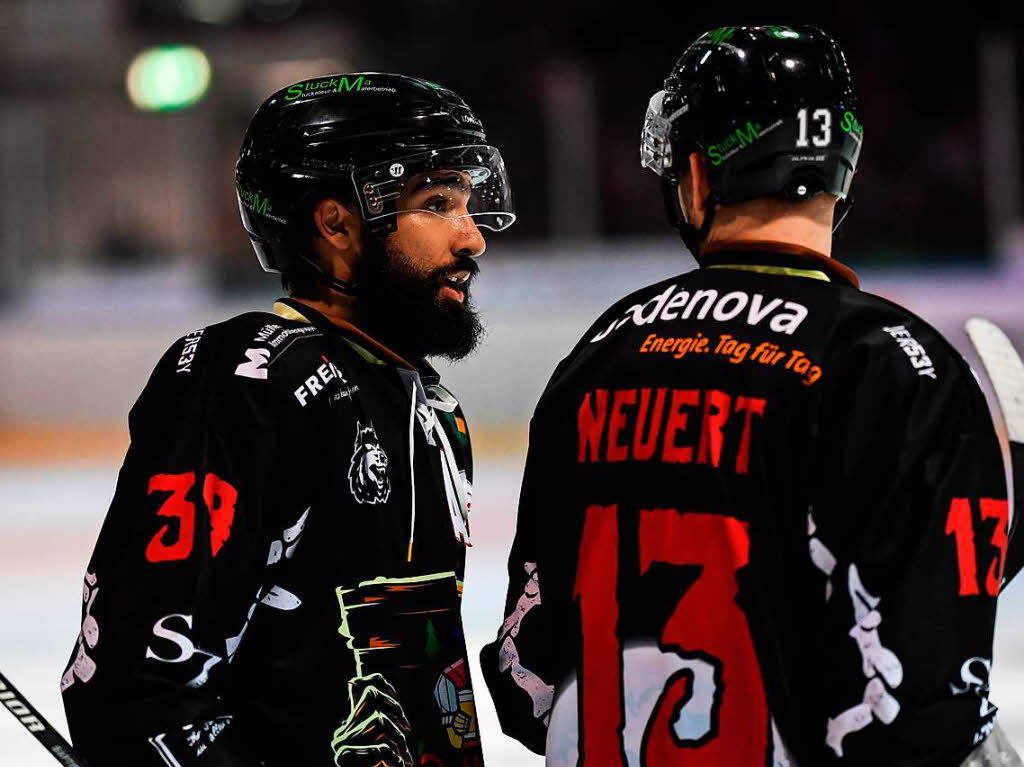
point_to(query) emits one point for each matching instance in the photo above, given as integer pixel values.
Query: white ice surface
(50, 519)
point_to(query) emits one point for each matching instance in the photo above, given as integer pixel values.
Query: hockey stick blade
(1005, 371)
(34, 722)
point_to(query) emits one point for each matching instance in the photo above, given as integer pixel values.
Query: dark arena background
(120, 122)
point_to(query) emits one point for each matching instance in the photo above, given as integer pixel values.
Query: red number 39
(219, 497)
(706, 627)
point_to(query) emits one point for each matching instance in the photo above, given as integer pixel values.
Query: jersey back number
(712, 709)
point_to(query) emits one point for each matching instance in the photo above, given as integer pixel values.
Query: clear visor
(453, 182)
(655, 141)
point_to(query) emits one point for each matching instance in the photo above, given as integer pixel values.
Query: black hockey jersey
(764, 521)
(292, 514)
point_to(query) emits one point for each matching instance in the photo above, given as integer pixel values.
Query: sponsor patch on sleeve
(915, 351)
(188, 351)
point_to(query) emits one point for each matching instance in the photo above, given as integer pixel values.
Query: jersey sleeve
(179, 569)
(518, 666)
(907, 534)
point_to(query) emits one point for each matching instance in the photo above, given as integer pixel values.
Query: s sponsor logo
(186, 649)
(368, 470)
(974, 674)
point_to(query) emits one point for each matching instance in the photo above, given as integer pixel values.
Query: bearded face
(416, 308)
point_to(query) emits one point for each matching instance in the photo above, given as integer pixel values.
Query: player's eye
(438, 203)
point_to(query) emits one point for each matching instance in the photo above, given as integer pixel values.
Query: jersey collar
(367, 347)
(776, 256)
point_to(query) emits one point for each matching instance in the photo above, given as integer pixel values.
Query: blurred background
(120, 121)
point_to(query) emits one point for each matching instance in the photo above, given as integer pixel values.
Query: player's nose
(467, 239)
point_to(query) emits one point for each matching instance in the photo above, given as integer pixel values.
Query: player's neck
(797, 232)
(335, 307)
(808, 225)
(343, 311)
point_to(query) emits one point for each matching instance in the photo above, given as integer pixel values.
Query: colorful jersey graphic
(454, 698)
(408, 630)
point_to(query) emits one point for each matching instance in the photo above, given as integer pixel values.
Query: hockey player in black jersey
(764, 517)
(279, 577)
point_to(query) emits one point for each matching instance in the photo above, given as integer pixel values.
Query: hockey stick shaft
(35, 723)
(1005, 372)
(1015, 552)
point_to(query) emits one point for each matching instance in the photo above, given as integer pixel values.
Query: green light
(168, 77)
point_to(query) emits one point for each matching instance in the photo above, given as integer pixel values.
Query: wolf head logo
(368, 472)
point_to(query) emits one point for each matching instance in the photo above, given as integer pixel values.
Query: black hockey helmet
(771, 109)
(363, 138)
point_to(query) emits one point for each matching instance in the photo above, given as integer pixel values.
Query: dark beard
(401, 306)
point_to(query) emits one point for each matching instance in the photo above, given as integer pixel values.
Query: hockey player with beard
(279, 577)
(764, 517)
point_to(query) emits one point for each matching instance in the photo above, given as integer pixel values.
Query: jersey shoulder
(880, 344)
(250, 346)
(253, 356)
(869, 325)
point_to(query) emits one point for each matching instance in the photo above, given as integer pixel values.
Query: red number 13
(960, 525)
(706, 624)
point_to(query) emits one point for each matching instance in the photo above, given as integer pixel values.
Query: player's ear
(337, 224)
(694, 188)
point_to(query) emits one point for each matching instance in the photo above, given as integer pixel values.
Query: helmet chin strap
(345, 288)
(693, 237)
(845, 204)
(375, 248)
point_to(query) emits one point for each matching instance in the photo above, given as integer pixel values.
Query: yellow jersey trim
(813, 274)
(290, 313)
